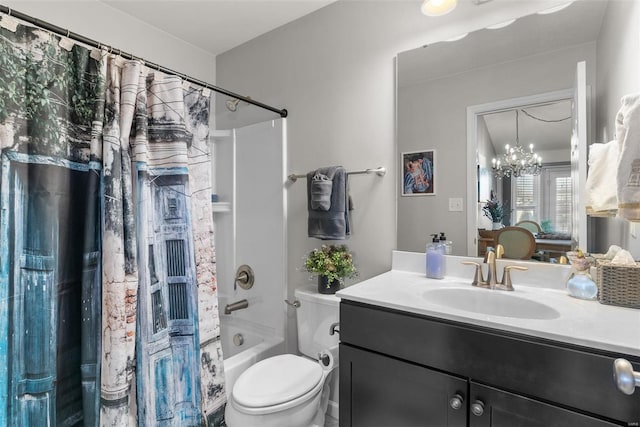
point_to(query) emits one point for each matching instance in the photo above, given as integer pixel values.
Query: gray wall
(103, 23)
(334, 71)
(433, 115)
(618, 71)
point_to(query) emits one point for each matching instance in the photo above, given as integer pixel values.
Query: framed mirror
(533, 61)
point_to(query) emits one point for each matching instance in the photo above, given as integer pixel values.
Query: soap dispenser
(448, 244)
(435, 258)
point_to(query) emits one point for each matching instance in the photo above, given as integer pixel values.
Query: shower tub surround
(249, 176)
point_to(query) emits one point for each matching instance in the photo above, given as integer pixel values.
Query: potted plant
(332, 264)
(495, 211)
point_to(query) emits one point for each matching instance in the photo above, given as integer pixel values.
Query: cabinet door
(496, 408)
(376, 390)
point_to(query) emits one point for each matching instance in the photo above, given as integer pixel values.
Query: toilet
(286, 390)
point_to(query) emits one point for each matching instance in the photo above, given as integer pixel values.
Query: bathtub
(243, 344)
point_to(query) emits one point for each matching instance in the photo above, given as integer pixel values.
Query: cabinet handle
(456, 402)
(477, 408)
(623, 374)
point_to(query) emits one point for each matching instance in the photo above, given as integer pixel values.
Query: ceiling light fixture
(516, 161)
(555, 9)
(501, 24)
(438, 7)
(456, 38)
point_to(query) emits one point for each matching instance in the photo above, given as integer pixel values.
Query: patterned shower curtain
(108, 304)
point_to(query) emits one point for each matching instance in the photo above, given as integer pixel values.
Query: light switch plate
(455, 204)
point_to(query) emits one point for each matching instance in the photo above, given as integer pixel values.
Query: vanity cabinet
(401, 369)
(389, 392)
(492, 407)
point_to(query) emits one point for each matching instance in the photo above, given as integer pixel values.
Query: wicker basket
(618, 284)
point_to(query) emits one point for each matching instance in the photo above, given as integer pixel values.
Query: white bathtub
(257, 343)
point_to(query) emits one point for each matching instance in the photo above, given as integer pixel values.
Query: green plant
(495, 210)
(50, 92)
(333, 261)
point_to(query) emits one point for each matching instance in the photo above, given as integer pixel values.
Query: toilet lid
(276, 380)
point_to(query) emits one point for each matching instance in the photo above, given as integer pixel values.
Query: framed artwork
(418, 173)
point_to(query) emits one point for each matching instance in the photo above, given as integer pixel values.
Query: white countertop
(585, 323)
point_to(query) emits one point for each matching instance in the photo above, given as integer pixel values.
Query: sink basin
(495, 303)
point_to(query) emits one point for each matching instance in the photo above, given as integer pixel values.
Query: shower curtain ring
(68, 33)
(9, 12)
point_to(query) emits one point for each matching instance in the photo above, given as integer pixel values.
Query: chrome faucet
(238, 305)
(492, 277)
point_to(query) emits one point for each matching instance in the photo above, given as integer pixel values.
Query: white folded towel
(601, 194)
(628, 175)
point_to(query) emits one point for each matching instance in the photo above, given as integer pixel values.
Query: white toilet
(286, 390)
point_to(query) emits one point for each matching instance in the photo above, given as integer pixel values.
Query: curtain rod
(381, 171)
(77, 37)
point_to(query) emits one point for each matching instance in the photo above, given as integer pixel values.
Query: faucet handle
(506, 276)
(499, 251)
(477, 277)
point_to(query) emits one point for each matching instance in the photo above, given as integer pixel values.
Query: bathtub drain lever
(294, 304)
(334, 328)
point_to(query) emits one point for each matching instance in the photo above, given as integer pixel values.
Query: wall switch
(455, 204)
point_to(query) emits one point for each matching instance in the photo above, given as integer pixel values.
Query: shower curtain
(108, 304)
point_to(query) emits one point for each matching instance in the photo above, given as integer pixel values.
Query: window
(559, 203)
(545, 199)
(526, 198)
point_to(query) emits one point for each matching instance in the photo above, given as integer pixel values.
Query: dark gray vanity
(405, 369)
(423, 352)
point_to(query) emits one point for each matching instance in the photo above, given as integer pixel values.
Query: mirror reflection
(460, 100)
(524, 163)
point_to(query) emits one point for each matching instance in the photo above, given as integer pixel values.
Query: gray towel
(334, 223)
(321, 187)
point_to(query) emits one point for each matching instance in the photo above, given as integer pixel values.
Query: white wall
(432, 114)
(334, 71)
(100, 22)
(618, 72)
(486, 180)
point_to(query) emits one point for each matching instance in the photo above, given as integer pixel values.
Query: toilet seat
(276, 384)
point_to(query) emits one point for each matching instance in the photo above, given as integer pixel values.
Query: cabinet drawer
(566, 375)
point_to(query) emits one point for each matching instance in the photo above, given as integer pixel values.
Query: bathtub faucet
(238, 305)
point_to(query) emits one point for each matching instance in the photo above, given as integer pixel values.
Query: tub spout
(238, 305)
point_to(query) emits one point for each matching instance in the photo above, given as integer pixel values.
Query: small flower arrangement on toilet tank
(332, 264)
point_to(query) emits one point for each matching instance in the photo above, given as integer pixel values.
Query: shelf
(220, 134)
(221, 207)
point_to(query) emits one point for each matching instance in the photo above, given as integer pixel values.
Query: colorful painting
(418, 176)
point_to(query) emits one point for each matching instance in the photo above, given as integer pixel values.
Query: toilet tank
(314, 318)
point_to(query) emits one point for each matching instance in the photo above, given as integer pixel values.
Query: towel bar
(380, 171)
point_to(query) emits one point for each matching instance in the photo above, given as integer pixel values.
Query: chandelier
(516, 161)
